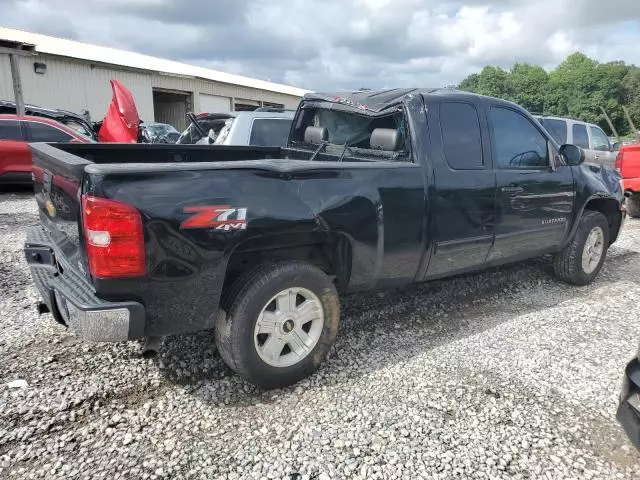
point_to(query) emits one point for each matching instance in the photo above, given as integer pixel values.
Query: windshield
(556, 128)
(160, 129)
(79, 128)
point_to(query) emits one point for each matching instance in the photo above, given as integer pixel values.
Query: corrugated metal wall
(77, 85)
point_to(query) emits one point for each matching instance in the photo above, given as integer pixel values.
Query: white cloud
(334, 44)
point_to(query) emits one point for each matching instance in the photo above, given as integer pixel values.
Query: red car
(15, 134)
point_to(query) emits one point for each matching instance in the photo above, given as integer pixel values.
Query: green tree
(527, 84)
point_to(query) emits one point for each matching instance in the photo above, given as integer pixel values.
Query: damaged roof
(371, 100)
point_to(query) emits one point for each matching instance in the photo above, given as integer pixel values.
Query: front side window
(599, 140)
(270, 132)
(461, 139)
(517, 142)
(580, 136)
(10, 130)
(41, 132)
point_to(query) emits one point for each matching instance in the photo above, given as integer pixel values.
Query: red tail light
(618, 164)
(113, 238)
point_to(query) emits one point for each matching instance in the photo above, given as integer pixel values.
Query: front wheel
(281, 319)
(581, 260)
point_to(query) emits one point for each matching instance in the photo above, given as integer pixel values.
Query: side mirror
(573, 155)
(616, 146)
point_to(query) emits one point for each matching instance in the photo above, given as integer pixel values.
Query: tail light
(113, 237)
(618, 164)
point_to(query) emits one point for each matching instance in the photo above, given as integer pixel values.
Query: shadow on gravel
(382, 328)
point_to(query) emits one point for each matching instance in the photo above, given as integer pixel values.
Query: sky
(345, 44)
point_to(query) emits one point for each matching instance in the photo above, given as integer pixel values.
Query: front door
(601, 151)
(534, 201)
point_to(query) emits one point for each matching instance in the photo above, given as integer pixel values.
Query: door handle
(596, 157)
(512, 189)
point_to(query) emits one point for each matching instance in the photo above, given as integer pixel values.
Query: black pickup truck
(373, 190)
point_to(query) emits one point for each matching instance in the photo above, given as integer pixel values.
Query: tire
(252, 297)
(633, 205)
(568, 263)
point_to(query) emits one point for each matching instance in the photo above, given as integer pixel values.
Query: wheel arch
(330, 252)
(607, 205)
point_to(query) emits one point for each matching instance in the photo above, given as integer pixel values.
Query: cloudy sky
(336, 44)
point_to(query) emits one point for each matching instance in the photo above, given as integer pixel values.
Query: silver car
(588, 136)
(258, 128)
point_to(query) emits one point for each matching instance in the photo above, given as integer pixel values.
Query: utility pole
(633, 127)
(15, 50)
(613, 129)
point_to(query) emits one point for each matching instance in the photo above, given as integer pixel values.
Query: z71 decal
(218, 217)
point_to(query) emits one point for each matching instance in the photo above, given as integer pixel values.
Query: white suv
(589, 137)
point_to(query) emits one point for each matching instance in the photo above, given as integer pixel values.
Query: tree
(527, 84)
(576, 88)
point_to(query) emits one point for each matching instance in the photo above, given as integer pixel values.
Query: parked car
(628, 413)
(587, 136)
(200, 125)
(72, 120)
(373, 190)
(158, 133)
(16, 133)
(628, 165)
(266, 129)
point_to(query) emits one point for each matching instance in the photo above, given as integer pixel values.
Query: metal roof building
(75, 76)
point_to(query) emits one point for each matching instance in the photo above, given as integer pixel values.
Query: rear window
(580, 136)
(10, 130)
(353, 130)
(270, 132)
(556, 128)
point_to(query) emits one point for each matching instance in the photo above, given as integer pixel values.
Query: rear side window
(580, 136)
(41, 132)
(461, 139)
(270, 132)
(10, 130)
(556, 128)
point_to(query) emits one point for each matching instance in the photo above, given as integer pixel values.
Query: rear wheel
(633, 205)
(581, 260)
(281, 319)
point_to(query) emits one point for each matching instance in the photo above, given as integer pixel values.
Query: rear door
(534, 201)
(15, 157)
(465, 186)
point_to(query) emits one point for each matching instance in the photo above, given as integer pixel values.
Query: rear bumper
(628, 413)
(72, 299)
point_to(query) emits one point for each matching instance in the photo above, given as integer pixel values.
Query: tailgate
(57, 178)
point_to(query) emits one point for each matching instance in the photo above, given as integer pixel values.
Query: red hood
(122, 120)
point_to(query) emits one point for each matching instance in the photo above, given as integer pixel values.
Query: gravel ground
(503, 374)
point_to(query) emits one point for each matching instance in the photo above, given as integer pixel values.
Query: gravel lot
(504, 374)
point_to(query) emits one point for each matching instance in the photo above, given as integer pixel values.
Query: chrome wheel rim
(592, 251)
(288, 327)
